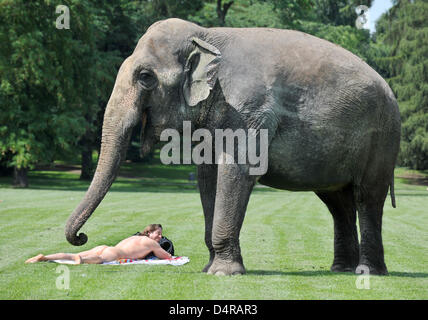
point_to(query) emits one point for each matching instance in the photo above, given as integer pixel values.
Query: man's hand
(159, 252)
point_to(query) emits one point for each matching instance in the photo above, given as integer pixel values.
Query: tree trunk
(221, 12)
(87, 167)
(20, 177)
(86, 144)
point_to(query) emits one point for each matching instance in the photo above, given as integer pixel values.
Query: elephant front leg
(234, 186)
(207, 183)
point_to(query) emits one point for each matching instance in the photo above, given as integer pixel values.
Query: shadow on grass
(39, 181)
(412, 194)
(323, 273)
(408, 274)
(303, 273)
(137, 177)
(120, 185)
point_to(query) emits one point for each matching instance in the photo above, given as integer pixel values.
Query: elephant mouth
(147, 137)
(144, 120)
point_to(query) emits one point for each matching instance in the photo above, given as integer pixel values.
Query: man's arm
(159, 252)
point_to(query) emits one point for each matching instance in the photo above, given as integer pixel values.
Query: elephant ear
(200, 72)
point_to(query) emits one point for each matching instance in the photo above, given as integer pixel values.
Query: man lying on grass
(134, 247)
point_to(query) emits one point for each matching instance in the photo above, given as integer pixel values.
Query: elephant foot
(206, 268)
(344, 264)
(371, 270)
(341, 267)
(226, 268)
(210, 262)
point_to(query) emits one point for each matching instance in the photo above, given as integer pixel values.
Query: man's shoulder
(148, 241)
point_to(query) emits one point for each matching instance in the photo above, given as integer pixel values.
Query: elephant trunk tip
(76, 240)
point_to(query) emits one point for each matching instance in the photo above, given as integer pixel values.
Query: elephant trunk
(117, 130)
(113, 151)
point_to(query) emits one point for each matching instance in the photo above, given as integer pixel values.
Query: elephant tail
(391, 189)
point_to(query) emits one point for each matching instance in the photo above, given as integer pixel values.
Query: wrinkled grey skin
(333, 123)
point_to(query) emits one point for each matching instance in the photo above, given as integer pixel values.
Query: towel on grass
(175, 261)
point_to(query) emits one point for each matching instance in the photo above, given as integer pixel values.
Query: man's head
(153, 231)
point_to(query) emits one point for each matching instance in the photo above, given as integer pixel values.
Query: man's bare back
(137, 247)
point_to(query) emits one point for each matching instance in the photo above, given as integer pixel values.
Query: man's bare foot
(77, 259)
(37, 258)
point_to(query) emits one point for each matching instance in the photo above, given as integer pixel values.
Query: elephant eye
(147, 80)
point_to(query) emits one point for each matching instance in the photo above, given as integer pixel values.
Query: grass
(286, 241)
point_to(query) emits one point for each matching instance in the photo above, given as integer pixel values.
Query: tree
(291, 12)
(338, 12)
(45, 83)
(162, 9)
(114, 39)
(222, 11)
(335, 21)
(239, 13)
(404, 30)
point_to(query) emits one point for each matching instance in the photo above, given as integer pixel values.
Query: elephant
(333, 128)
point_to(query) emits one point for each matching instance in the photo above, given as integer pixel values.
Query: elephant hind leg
(370, 200)
(342, 207)
(370, 193)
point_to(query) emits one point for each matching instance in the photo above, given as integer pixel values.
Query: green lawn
(286, 241)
